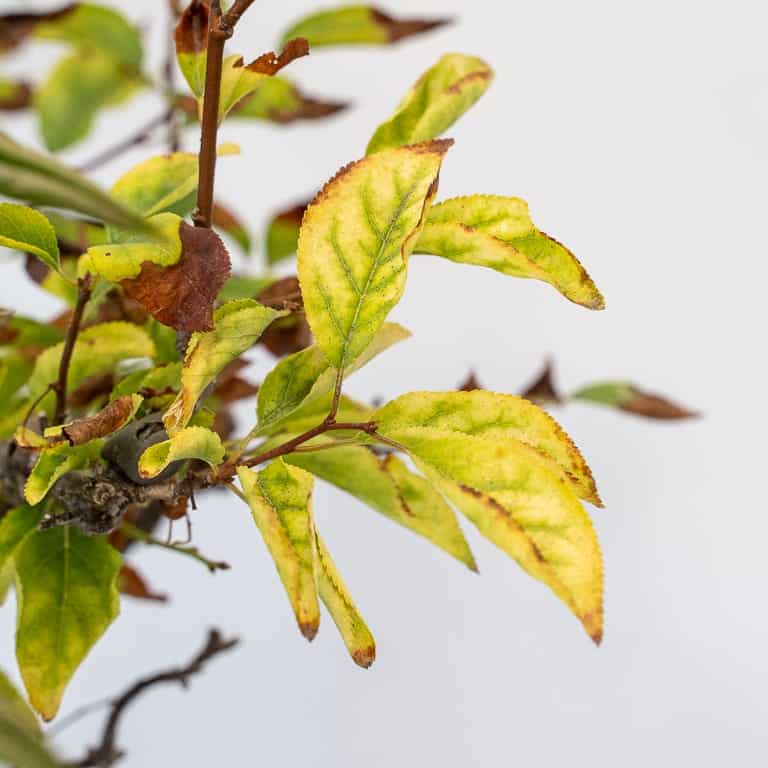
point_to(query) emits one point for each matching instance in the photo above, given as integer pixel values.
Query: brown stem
(60, 387)
(239, 7)
(107, 752)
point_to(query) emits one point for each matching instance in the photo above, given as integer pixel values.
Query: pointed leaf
(336, 598)
(280, 500)
(66, 588)
(358, 24)
(389, 487)
(496, 417)
(305, 375)
(497, 232)
(237, 327)
(25, 229)
(35, 178)
(355, 242)
(627, 397)
(54, 463)
(189, 443)
(435, 102)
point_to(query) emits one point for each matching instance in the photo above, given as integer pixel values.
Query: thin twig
(239, 7)
(132, 532)
(60, 387)
(107, 752)
(134, 140)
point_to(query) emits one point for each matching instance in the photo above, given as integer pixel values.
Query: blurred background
(637, 133)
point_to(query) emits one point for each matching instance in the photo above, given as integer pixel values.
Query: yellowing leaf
(54, 463)
(355, 242)
(280, 500)
(125, 258)
(67, 595)
(189, 443)
(98, 350)
(14, 95)
(305, 375)
(357, 24)
(191, 38)
(387, 485)
(520, 501)
(336, 598)
(435, 102)
(26, 229)
(237, 327)
(496, 417)
(497, 232)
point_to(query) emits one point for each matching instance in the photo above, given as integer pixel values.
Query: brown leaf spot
(130, 582)
(656, 407)
(182, 296)
(105, 422)
(542, 389)
(191, 33)
(470, 384)
(397, 29)
(364, 657)
(19, 98)
(271, 63)
(15, 28)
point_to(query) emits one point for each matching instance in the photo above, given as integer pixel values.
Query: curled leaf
(627, 397)
(355, 241)
(435, 102)
(358, 24)
(189, 443)
(25, 229)
(497, 232)
(109, 419)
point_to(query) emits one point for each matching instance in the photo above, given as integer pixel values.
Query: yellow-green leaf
(336, 598)
(68, 101)
(355, 242)
(14, 94)
(124, 258)
(158, 379)
(191, 39)
(25, 229)
(357, 24)
(32, 333)
(15, 526)
(189, 443)
(237, 82)
(67, 596)
(497, 417)
(387, 485)
(280, 500)
(521, 501)
(627, 397)
(305, 375)
(435, 102)
(54, 463)
(237, 327)
(497, 232)
(98, 350)
(167, 183)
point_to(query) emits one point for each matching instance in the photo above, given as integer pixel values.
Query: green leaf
(355, 242)
(385, 484)
(158, 379)
(54, 463)
(497, 232)
(357, 24)
(15, 526)
(189, 443)
(305, 375)
(237, 327)
(124, 258)
(280, 500)
(31, 333)
(435, 102)
(631, 399)
(336, 598)
(496, 417)
(283, 233)
(243, 287)
(15, 370)
(164, 184)
(520, 500)
(21, 741)
(76, 89)
(99, 349)
(96, 29)
(25, 229)
(67, 595)
(38, 179)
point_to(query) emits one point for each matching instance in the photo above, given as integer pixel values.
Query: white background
(637, 132)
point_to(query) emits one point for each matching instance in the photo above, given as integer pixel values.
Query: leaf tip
(309, 628)
(364, 657)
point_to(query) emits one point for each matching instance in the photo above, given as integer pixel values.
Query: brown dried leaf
(191, 33)
(656, 407)
(397, 29)
(108, 420)
(282, 294)
(290, 334)
(271, 63)
(542, 389)
(130, 582)
(94, 386)
(15, 28)
(308, 108)
(470, 384)
(183, 295)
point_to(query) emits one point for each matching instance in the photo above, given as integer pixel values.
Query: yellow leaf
(189, 443)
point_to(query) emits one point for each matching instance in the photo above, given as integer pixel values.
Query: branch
(239, 7)
(60, 387)
(107, 753)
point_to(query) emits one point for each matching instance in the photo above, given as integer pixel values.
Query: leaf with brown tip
(627, 397)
